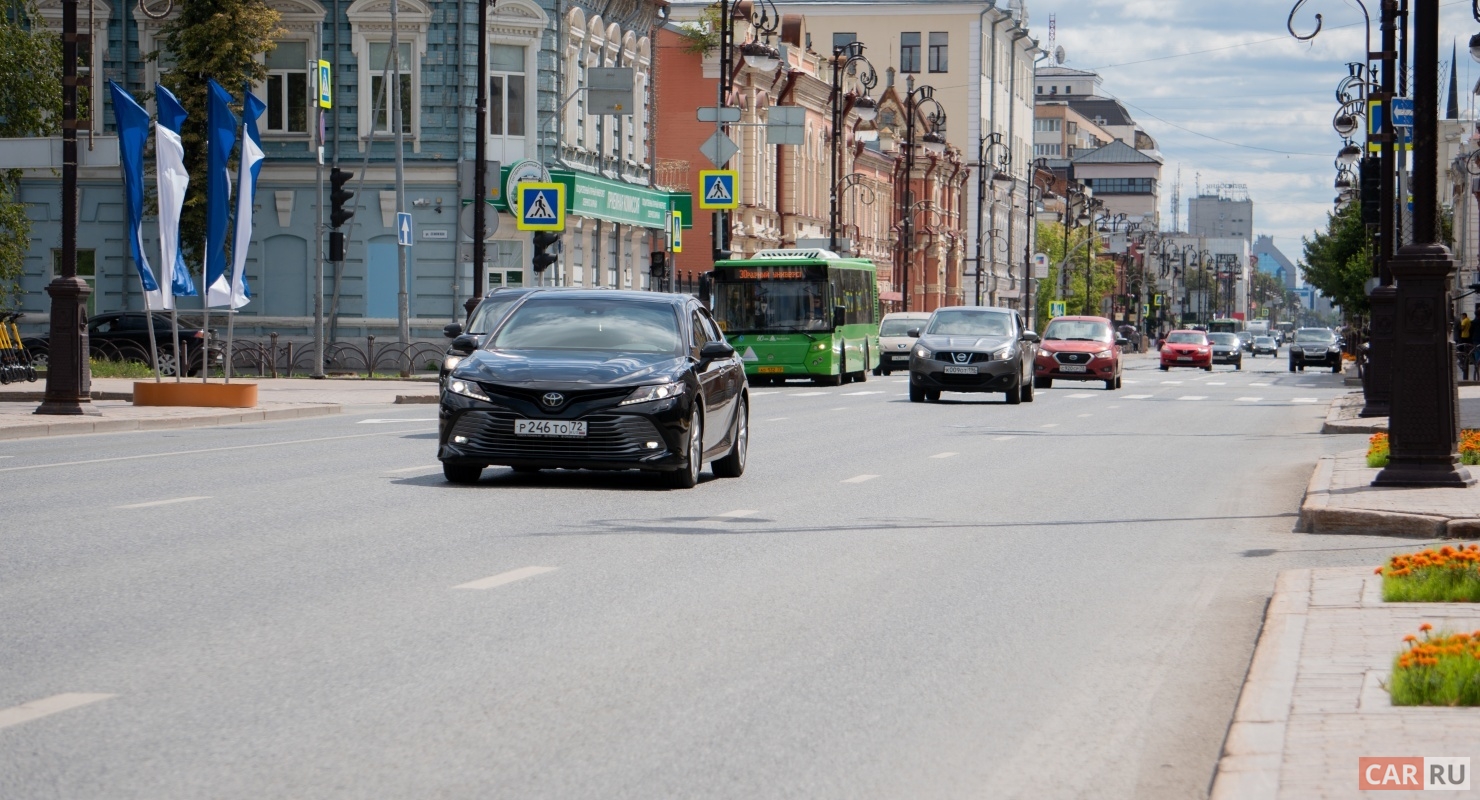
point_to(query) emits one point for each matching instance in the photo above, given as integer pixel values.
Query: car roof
(1082, 318)
(624, 295)
(973, 308)
(907, 315)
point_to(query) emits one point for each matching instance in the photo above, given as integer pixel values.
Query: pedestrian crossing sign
(1057, 308)
(541, 206)
(1157, 301)
(717, 189)
(675, 231)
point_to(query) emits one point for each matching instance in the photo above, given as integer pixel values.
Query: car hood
(887, 343)
(980, 344)
(573, 369)
(1070, 346)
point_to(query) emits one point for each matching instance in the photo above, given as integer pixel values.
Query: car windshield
(568, 323)
(1078, 330)
(1186, 337)
(899, 327)
(1263, 340)
(970, 323)
(1222, 338)
(1315, 336)
(489, 312)
(757, 306)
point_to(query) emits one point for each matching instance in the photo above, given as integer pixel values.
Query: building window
(843, 40)
(287, 88)
(506, 90)
(939, 61)
(1041, 150)
(1073, 128)
(1122, 185)
(1040, 90)
(1047, 125)
(1068, 90)
(909, 52)
(380, 98)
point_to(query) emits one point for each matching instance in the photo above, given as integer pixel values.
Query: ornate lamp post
(934, 142)
(1036, 194)
(847, 59)
(764, 20)
(987, 147)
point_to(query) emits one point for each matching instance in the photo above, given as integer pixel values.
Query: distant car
(488, 314)
(973, 349)
(1187, 348)
(1079, 349)
(895, 342)
(1318, 347)
(1245, 339)
(597, 379)
(125, 335)
(1264, 344)
(1227, 349)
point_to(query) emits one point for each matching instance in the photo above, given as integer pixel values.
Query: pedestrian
(1465, 328)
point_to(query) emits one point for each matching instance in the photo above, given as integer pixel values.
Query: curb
(1337, 423)
(90, 425)
(417, 399)
(1249, 768)
(37, 395)
(1317, 515)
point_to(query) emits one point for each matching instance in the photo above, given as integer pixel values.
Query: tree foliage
(218, 39)
(1082, 247)
(1338, 261)
(30, 105)
(703, 35)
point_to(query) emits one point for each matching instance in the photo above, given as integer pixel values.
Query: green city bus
(799, 314)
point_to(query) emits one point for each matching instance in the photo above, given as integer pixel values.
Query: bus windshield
(766, 306)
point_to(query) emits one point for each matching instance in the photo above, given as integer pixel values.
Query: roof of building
(1057, 72)
(1099, 110)
(1116, 152)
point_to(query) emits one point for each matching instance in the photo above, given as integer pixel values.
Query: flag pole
(149, 320)
(175, 337)
(230, 333)
(205, 310)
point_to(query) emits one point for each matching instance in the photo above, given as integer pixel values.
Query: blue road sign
(403, 229)
(717, 189)
(1402, 116)
(541, 206)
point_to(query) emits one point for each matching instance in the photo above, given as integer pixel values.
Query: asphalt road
(963, 599)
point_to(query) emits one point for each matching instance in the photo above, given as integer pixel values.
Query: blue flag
(232, 290)
(221, 132)
(173, 179)
(133, 130)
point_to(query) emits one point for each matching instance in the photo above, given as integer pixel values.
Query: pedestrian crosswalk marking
(1248, 399)
(1138, 397)
(1193, 397)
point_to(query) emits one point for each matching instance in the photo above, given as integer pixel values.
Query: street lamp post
(986, 147)
(764, 20)
(845, 58)
(1424, 424)
(1036, 194)
(933, 141)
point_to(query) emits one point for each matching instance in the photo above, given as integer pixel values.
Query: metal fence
(275, 358)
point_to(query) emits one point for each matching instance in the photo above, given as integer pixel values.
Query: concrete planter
(195, 393)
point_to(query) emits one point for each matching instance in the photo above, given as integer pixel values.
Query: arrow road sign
(403, 229)
(718, 149)
(541, 206)
(717, 189)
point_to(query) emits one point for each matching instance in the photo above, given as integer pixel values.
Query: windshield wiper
(1082, 339)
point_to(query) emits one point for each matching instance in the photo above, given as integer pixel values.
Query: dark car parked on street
(124, 336)
(973, 349)
(604, 380)
(1315, 347)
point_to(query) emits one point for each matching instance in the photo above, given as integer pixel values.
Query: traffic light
(721, 254)
(338, 196)
(544, 240)
(1370, 182)
(658, 269)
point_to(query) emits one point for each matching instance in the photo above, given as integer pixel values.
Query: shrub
(1438, 670)
(1450, 574)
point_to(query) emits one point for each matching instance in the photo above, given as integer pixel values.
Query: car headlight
(647, 394)
(466, 389)
(450, 363)
(1002, 353)
(1334, 349)
(820, 346)
(921, 352)
(1104, 354)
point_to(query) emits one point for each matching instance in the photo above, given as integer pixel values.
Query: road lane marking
(1171, 383)
(197, 452)
(46, 706)
(761, 394)
(859, 394)
(809, 394)
(1193, 397)
(1248, 399)
(412, 469)
(1112, 406)
(1003, 438)
(1216, 383)
(1258, 384)
(776, 419)
(1082, 416)
(170, 502)
(404, 419)
(1050, 425)
(1138, 397)
(944, 455)
(729, 515)
(1079, 395)
(1305, 400)
(839, 408)
(860, 478)
(505, 577)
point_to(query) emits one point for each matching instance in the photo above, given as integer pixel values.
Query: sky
(1231, 97)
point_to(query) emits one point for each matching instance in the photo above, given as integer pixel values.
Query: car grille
(1315, 351)
(534, 396)
(1072, 358)
(966, 358)
(615, 437)
(965, 380)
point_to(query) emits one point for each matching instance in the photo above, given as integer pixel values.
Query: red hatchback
(1187, 349)
(1078, 349)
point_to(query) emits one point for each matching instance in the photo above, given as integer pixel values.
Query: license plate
(1072, 368)
(900, 357)
(770, 370)
(960, 370)
(550, 427)
(1184, 358)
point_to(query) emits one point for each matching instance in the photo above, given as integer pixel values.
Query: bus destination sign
(771, 273)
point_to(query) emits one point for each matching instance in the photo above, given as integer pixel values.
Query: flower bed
(1469, 449)
(1450, 574)
(1438, 670)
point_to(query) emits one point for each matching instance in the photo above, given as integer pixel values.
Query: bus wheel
(861, 376)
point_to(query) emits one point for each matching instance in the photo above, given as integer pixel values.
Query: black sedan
(605, 380)
(1226, 349)
(1265, 344)
(124, 336)
(973, 349)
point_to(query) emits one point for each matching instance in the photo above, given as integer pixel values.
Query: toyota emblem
(552, 399)
(962, 358)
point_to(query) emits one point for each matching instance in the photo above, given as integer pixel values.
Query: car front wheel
(463, 474)
(687, 476)
(917, 395)
(733, 464)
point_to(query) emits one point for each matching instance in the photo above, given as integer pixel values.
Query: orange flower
(1410, 637)
(1426, 627)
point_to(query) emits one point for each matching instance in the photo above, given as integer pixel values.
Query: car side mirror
(913, 333)
(452, 330)
(839, 316)
(466, 344)
(1032, 336)
(713, 351)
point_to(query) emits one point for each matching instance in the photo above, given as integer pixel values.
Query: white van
(894, 341)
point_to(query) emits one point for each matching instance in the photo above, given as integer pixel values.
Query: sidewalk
(1342, 416)
(278, 398)
(1313, 701)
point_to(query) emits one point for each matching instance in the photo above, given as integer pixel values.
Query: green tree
(218, 39)
(1083, 248)
(30, 105)
(1338, 261)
